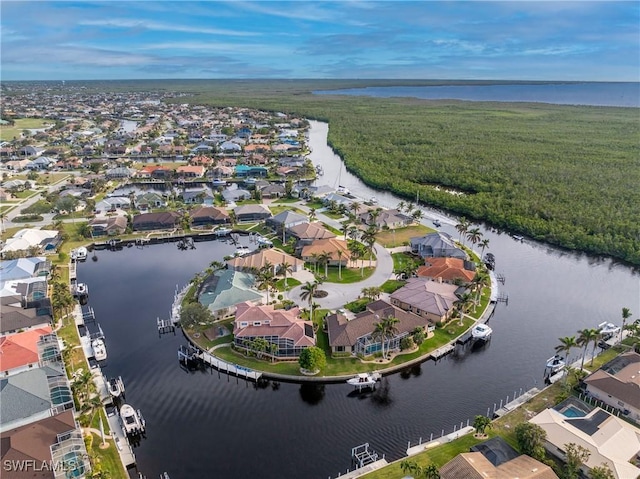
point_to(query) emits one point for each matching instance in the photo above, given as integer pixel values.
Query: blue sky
(543, 40)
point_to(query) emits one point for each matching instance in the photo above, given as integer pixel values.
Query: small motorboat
(608, 330)
(242, 250)
(131, 420)
(373, 200)
(343, 190)
(79, 254)
(116, 387)
(99, 349)
(437, 223)
(555, 364)
(518, 237)
(364, 380)
(250, 181)
(481, 332)
(219, 182)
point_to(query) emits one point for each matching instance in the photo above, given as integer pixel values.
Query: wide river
(202, 425)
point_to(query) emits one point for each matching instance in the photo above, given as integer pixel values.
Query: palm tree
(369, 238)
(463, 227)
(480, 281)
(390, 327)
(355, 206)
(308, 292)
(431, 472)
(401, 206)
(266, 279)
(324, 258)
(417, 215)
(284, 268)
(474, 235)
(626, 314)
(463, 305)
(586, 336)
(345, 228)
(484, 244)
(340, 253)
(566, 345)
(312, 214)
(314, 259)
(481, 423)
(378, 334)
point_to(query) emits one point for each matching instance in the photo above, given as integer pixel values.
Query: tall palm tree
(566, 345)
(340, 253)
(314, 260)
(463, 227)
(417, 215)
(480, 280)
(312, 214)
(355, 207)
(484, 244)
(431, 472)
(391, 329)
(586, 336)
(266, 279)
(626, 314)
(308, 292)
(401, 206)
(463, 305)
(284, 268)
(324, 258)
(474, 235)
(379, 333)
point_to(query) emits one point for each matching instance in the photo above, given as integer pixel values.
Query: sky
(519, 40)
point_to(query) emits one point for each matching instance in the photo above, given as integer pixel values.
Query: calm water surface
(596, 94)
(203, 425)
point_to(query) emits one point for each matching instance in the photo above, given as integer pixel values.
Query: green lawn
(392, 285)
(401, 236)
(349, 275)
(291, 283)
(8, 133)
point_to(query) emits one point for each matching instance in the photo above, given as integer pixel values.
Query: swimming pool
(573, 411)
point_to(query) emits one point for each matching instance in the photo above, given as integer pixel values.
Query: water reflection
(312, 393)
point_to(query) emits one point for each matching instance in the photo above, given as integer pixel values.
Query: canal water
(202, 425)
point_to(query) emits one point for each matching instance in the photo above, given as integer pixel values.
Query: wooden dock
(233, 369)
(520, 400)
(443, 351)
(125, 450)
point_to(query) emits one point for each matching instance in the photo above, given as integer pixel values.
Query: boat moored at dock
(116, 387)
(99, 349)
(132, 420)
(364, 380)
(79, 254)
(554, 364)
(481, 332)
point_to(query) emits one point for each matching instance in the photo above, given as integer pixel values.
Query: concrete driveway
(340, 294)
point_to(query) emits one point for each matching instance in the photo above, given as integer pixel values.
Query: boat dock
(443, 351)
(233, 369)
(518, 401)
(120, 438)
(443, 439)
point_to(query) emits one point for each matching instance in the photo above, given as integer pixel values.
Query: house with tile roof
(286, 219)
(259, 258)
(19, 352)
(355, 335)
(281, 327)
(31, 444)
(190, 171)
(108, 225)
(226, 288)
(473, 465)
(16, 316)
(438, 244)
(209, 215)
(431, 300)
(609, 440)
(337, 249)
(617, 384)
(447, 270)
(252, 212)
(307, 233)
(391, 219)
(156, 221)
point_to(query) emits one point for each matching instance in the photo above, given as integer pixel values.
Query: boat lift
(361, 455)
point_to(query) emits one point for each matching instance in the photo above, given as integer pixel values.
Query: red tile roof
(20, 349)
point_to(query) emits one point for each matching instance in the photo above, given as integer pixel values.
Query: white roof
(25, 238)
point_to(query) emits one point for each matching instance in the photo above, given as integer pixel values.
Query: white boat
(116, 387)
(373, 200)
(481, 331)
(364, 380)
(437, 223)
(81, 290)
(131, 420)
(99, 349)
(343, 190)
(608, 330)
(79, 254)
(242, 250)
(219, 182)
(555, 364)
(250, 181)
(518, 237)
(319, 170)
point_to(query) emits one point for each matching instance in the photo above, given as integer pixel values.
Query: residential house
(391, 219)
(41, 163)
(230, 147)
(438, 244)
(221, 171)
(19, 352)
(209, 215)
(273, 190)
(281, 327)
(617, 384)
(260, 258)
(197, 197)
(356, 336)
(156, 221)
(307, 233)
(474, 465)
(233, 194)
(286, 219)
(32, 444)
(23, 268)
(109, 226)
(150, 199)
(432, 300)
(112, 203)
(16, 315)
(337, 249)
(30, 238)
(447, 270)
(119, 172)
(17, 165)
(256, 148)
(335, 198)
(245, 171)
(252, 212)
(610, 440)
(190, 171)
(226, 288)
